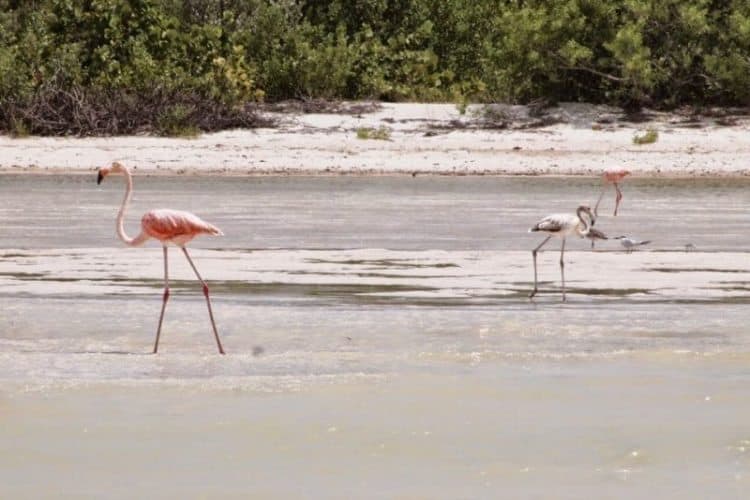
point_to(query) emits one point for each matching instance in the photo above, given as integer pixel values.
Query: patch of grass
(649, 137)
(186, 132)
(19, 129)
(382, 133)
(176, 122)
(462, 104)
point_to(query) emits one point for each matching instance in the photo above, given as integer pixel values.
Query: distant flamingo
(611, 177)
(167, 226)
(562, 225)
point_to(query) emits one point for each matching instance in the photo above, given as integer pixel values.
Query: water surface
(380, 341)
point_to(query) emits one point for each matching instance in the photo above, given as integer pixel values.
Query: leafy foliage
(380, 134)
(67, 65)
(649, 137)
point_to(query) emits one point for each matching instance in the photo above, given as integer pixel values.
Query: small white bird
(631, 244)
(562, 225)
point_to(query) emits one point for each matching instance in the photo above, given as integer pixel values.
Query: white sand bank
(424, 138)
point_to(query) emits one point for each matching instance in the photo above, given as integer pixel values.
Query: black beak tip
(99, 178)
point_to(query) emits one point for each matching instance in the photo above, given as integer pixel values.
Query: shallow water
(397, 213)
(379, 338)
(617, 429)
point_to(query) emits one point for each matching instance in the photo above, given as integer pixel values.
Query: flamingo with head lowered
(562, 225)
(169, 227)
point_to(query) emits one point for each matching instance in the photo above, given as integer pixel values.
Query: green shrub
(649, 137)
(381, 133)
(176, 121)
(223, 56)
(18, 128)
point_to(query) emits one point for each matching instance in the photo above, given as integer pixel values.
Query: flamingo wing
(555, 223)
(595, 234)
(615, 175)
(165, 225)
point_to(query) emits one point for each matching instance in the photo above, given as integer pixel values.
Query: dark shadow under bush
(55, 110)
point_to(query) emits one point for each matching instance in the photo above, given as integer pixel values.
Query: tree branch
(595, 72)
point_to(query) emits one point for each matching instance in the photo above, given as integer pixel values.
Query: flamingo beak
(99, 177)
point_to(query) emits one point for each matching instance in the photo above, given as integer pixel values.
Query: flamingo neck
(121, 214)
(585, 218)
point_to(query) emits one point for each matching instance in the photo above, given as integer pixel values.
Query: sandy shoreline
(424, 138)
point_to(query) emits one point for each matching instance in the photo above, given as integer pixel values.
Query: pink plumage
(613, 177)
(167, 226)
(175, 226)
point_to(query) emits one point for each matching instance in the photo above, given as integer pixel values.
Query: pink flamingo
(167, 226)
(611, 177)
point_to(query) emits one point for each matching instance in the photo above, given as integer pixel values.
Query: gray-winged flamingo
(562, 225)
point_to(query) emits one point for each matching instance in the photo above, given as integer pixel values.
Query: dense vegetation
(119, 66)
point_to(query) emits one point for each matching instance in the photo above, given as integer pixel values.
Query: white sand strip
(424, 138)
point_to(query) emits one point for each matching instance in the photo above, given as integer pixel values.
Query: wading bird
(562, 225)
(630, 244)
(611, 177)
(169, 227)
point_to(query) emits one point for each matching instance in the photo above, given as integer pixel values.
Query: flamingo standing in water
(611, 177)
(562, 225)
(167, 226)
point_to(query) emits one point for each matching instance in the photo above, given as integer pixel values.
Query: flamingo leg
(562, 267)
(533, 254)
(165, 298)
(601, 194)
(618, 198)
(208, 300)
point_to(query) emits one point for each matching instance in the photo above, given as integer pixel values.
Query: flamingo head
(585, 209)
(115, 168)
